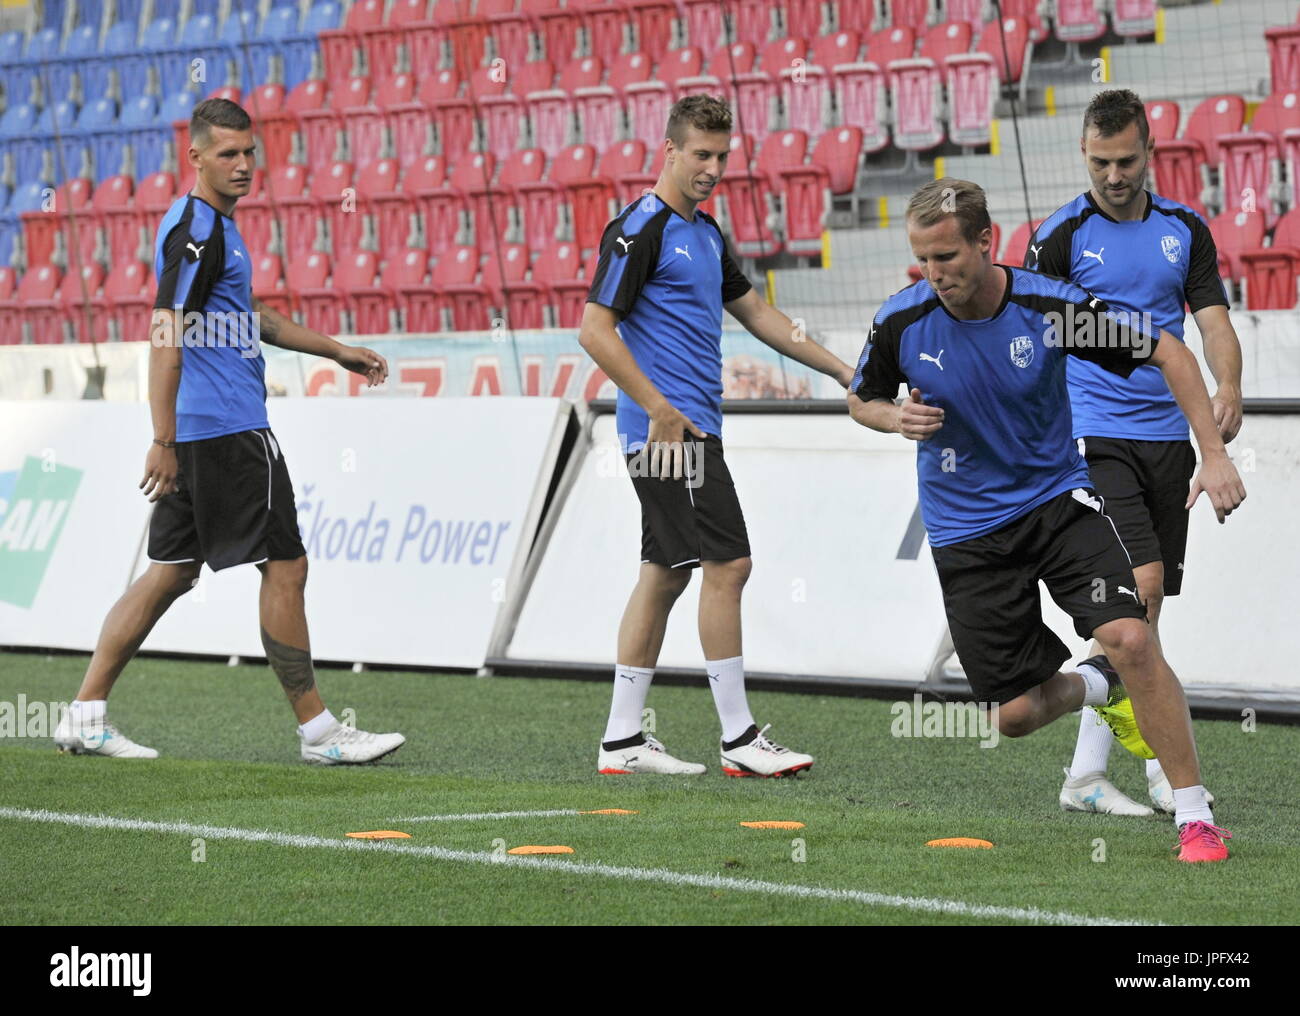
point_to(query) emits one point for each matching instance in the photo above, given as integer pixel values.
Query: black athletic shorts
(990, 592)
(1145, 485)
(694, 519)
(233, 505)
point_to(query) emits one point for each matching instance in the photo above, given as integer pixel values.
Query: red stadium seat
(781, 54)
(748, 197)
(704, 24)
(803, 96)
(454, 287)
(559, 28)
(508, 29)
(754, 103)
(968, 12)
(1235, 232)
(1271, 272)
(753, 20)
(803, 18)
(604, 23)
(1248, 171)
(860, 97)
(910, 14)
(839, 152)
(1284, 57)
(79, 294)
(1134, 18)
(128, 300)
(1029, 11)
(404, 272)
(856, 15)
(1211, 119)
(653, 21)
(1162, 117)
(1176, 172)
(1079, 21)
(884, 47)
(945, 40)
(338, 46)
(412, 122)
(1011, 48)
(914, 90)
(648, 105)
(42, 314)
(832, 50)
(11, 329)
(120, 216)
(368, 305)
(322, 305)
(738, 58)
(556, 271)
(435, 203)
(268, 283)
(972, 80)
(781, 151)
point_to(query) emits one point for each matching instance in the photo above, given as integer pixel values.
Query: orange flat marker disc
(609, 811)
(772, 825)
(540, 850)
(381, 834)
(961, 841)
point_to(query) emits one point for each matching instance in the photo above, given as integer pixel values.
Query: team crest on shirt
(1173, 248)
(1022, 351)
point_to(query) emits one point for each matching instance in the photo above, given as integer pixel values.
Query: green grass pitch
(230, 760)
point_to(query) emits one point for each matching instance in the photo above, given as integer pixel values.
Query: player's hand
(1218, 478)
(364, 361)
(664, 442)
(160, 471)
(1227, 412)
(916, 420)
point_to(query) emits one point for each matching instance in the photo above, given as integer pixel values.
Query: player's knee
(730, 574)
(287, 574)
(1016, 718)
(181, 579)
(1129, 645)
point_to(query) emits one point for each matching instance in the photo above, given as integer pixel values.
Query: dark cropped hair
(1112, 111)
(216, 113)
(703, 112)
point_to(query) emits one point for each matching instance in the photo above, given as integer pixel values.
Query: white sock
(314, 729)
(1154, 772)
(727, 681)
(1190, 806)
(1092, 749)
(88, 712)
(631, 685)
(1095, 688)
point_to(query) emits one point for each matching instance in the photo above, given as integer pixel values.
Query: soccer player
(1139, 252)
(653, 324)
(1005, 494)
(217, 475)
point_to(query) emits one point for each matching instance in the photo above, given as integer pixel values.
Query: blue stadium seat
(91, 13)
(99, 112)
(62, 114)
(44, 45)
(19, 118)
(11, 47)
(239, 26)
(53, 14)
(142, 111)
(80, 44)
(121, 37)
(280, 23)
(175, 107)
(161, 34)
(82, 40)
(323, 16)
(198, 41)
(130, 10)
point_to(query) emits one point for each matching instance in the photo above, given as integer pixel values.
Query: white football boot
(98, 737)
(341, 746)
(763, 757)
(650, 757)
(1093, 792)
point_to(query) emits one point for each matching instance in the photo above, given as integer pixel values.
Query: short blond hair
(947, 196)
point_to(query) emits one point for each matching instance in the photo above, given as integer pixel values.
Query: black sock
(636, 740)
(743, 739)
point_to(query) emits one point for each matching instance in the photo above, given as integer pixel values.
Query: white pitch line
(923, 904)
(471, 817)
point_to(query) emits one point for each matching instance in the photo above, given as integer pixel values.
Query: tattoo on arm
(292, 666)
(270, 320)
